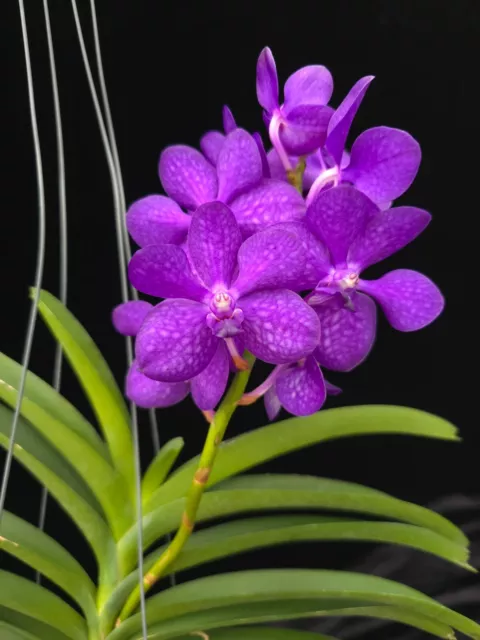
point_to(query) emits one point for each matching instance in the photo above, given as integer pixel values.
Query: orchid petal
(309, 85)
(152, 394)
(210, 144)
(279, 327)
(409, 299)
(209, 386)
(157, 220)
(337, 216)
(301, 389)
(175, 343)
(213, 242)
(163, 271)
(269, 203)
(383, 163)
(273, 258)
(128, 317)
(347, 335)
(339, 125)
(187, 176)
(386, 233)
(239, 165)
(267, 81)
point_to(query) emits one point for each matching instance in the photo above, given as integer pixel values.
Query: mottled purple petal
(209, 386)
(152, 394)
(210, 144)
(409, 299)
(388, 232)
(279, 327)
(127, 318)
(383, 163)
(213, 242)
(272, 403)
(313, 168)
(175, 343)
(346, 336)
(229, 123)
(239, 165)
(301, 389)
(270, 258)
(162, 270)
(157, 220)
(263, 154)
(267, 81)
(308, 85)
(277, 170)
(342, 119)
(317, 260)
(337, 216)
(271, 202)
(305, 129)
(187, 176)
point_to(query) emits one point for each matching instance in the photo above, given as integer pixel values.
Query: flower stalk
(214, 438)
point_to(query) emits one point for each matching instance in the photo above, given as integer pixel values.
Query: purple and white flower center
(343, 281)
(225, 318)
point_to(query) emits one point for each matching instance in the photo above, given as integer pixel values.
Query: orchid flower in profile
(299, 125)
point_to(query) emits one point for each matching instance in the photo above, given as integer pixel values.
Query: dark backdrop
(170, 66)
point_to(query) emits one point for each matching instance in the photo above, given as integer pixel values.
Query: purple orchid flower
(190, 180)
(383, 161)
(299, 125)
(299, 387)
(228, 288)
(207, 388)
(349, 233)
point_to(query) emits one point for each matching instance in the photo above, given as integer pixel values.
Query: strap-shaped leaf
(53, 402)
(9, 632)
(50, 469)
(289, 610)
(267, 492)
(230, 538)
(330, 588)
(30, 625)
(274, 440)
(96, 379)
(35, 601)
(105, 482)
(261, 633)
(160, 467)
(34, 547)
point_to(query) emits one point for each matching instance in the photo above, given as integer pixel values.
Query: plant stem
(214, 438)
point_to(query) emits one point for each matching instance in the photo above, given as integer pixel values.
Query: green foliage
(91, 477)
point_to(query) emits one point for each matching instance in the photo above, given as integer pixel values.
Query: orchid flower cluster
(265, 251)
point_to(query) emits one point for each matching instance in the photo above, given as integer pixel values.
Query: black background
(170, 66)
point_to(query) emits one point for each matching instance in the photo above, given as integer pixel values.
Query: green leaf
(45, 396)
(104, 481)
(243, 535)
(34, 547)
(96, 379)
(30, 625)
(267, 492)
(52, 471)
(160, 467)
(325, 589)
(261, 633)
(277, 439)
(8, 632)
(35, 601)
